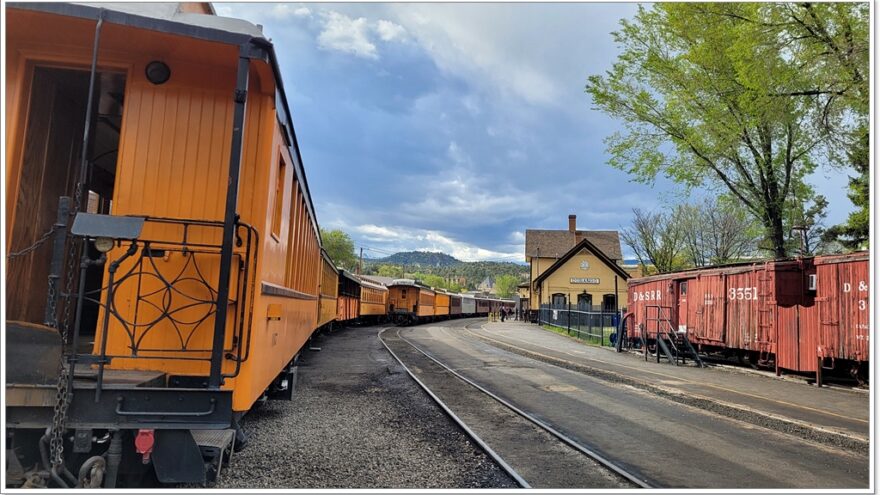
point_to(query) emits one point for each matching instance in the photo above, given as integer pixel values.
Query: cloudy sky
(454, 127)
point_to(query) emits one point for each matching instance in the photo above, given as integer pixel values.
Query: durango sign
(577, 280)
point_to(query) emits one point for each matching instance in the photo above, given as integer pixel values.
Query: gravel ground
(357, 421)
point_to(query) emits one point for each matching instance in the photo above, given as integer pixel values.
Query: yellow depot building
(577, 267)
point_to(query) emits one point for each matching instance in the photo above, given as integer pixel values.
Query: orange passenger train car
(183, 258)
(329, 291)
(410, 301)
(374, 302)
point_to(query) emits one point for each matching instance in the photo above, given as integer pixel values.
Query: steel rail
(483, 445)
(632, 478)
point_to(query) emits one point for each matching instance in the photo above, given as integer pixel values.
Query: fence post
(568, 318)
(590, 322)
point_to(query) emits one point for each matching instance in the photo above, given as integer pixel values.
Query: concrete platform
(836, 410)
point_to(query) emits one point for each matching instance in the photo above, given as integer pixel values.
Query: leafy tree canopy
(505, 285)
(730, 95)
(340, 248)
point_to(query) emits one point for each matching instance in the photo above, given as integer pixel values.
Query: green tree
(386, 270)
(505, 285)
(710, 94)
(834, 39)
(435, 281)
(340, 247)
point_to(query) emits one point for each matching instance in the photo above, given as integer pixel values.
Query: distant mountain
(419, 258)
(467, 273)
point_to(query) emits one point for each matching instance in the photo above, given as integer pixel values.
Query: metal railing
(145, 296)
(595, 327)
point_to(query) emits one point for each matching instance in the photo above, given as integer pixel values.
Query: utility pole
(360, 261)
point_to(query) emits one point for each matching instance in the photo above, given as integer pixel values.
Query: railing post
(50, 317)
(230, 217)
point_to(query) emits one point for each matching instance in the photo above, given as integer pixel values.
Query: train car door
(50, 168)
(682, 315)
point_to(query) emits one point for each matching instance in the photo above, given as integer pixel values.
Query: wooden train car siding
(441, 304)
(765, 309)
(842, 295)
(454, 304)
(348, 302)
(175, 139)
(426, 300)
(327, 306)
(374, 299)
(468, 305)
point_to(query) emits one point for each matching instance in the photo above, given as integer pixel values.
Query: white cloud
(344, 34)
(393, 239)
(388, 30)
(467, 40)
(376, 233)
(284, 10)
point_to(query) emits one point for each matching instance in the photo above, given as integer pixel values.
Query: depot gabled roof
(555, 243)
(583, 244)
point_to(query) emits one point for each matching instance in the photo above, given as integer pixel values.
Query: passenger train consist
(165, 260)
(805, 315)
(165, 263)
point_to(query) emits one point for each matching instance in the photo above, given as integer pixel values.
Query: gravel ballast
(357, 421)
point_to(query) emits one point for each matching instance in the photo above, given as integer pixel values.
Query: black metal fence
(594, 326)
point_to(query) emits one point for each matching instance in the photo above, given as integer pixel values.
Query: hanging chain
(64, 389)
(62, 397)
(39, 242)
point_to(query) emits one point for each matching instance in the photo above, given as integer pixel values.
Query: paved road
(833, 409)
(665, 442)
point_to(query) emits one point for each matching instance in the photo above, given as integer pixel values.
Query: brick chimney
(572, 223)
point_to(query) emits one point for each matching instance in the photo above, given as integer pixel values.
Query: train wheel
(859, 374)
(754, 359)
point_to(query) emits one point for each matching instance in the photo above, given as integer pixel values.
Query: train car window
(683, 287)
(279, 199)
(403, 293)
(292, 239)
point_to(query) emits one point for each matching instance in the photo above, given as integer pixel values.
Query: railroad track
(532, 452)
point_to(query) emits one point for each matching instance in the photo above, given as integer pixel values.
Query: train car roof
(345, 273)
(410, 283)
(167, 18)
(371, 284)
(842, 258)
(730, 268)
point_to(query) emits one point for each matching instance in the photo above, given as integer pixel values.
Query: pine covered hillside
(417, 264)
(419, 258)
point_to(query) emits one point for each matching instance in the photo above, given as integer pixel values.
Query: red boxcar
(842, 289)
(787, 312)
